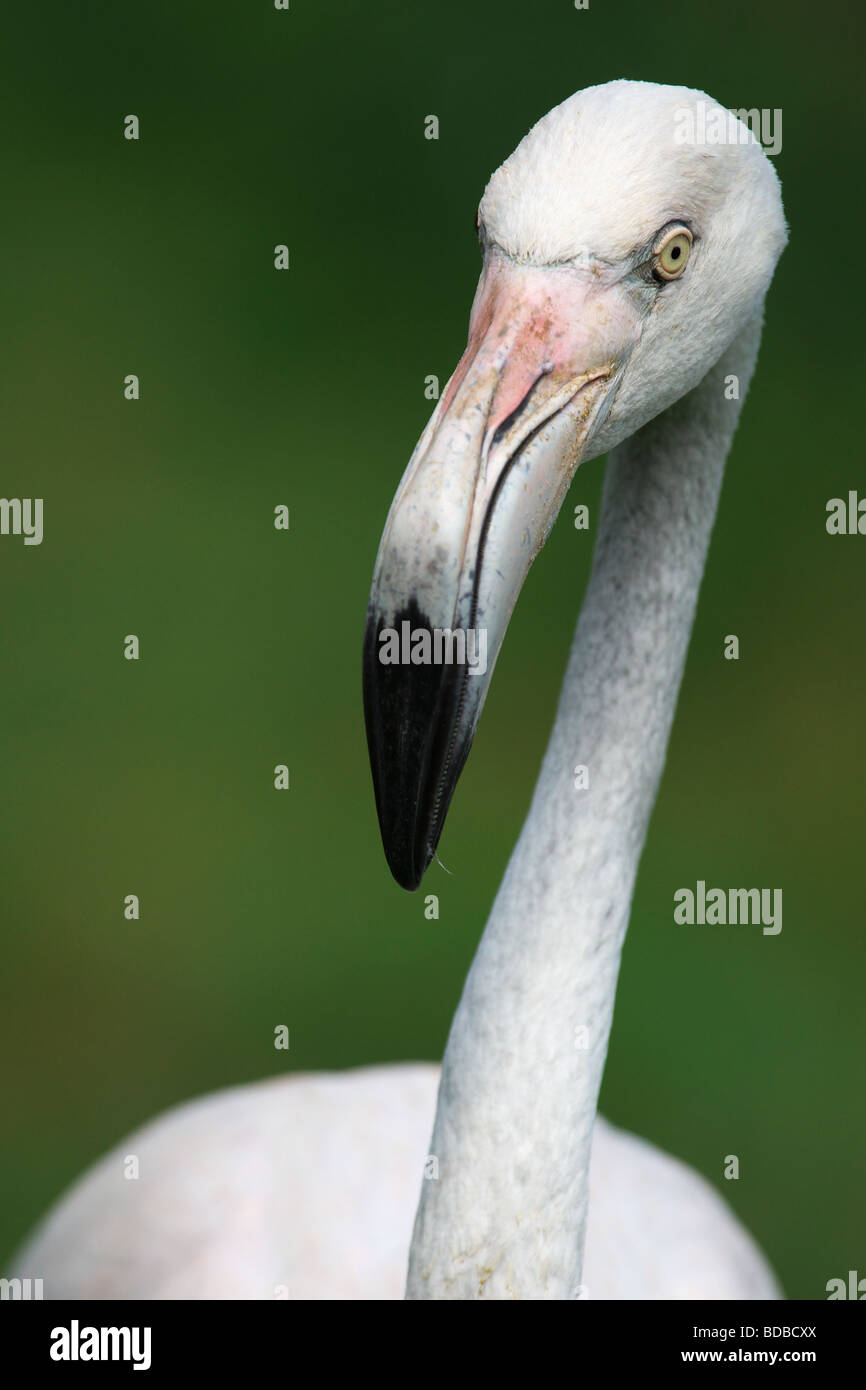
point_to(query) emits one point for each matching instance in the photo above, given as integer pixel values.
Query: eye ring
(671, 255)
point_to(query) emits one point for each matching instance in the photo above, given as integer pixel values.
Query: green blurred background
(306, 388)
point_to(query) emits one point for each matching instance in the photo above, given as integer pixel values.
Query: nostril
(502, 429)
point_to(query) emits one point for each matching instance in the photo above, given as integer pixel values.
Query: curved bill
(547, 346)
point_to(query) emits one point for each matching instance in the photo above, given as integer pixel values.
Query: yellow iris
(671, 257)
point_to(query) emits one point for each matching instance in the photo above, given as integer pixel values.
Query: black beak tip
(410, 714)
(403, 865)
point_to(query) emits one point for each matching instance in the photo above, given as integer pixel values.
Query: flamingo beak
(547, 346)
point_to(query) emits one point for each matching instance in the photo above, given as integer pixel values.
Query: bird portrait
(433, 663)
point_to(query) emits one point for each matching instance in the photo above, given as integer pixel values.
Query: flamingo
(622, 290)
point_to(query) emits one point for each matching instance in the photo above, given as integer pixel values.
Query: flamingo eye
(671, 256)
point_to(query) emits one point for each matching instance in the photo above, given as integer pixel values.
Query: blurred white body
(306, 1188)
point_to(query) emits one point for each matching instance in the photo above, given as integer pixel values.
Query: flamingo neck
(506, 1217)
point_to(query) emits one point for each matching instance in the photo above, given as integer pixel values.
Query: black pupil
(675, 251)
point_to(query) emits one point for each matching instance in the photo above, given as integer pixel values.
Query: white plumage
(306, 1187)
